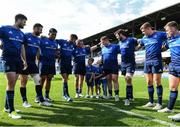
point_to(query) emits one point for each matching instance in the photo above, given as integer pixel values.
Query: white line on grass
(133, 114)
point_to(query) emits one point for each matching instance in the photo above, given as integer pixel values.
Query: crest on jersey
(10, 32)
(29, 39)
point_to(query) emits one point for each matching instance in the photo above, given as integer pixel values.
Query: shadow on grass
(85, 112)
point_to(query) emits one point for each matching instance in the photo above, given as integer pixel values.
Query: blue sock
(77, 90)
(159, 94)
(23, 93)
(80, 91)
(6, 103)
(65, 89)
(104, 85)
(47, 93)
(116, 92)
(10, 100)
(172, 99)
(110, 92)
(39, 93)
(128, 91)
(151, 93)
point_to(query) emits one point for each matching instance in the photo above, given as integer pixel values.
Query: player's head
(171, 28)
(37, 29)
(146, 29)
(90, 61)
(120, 34)
(79, 43)
(73, 38)
(52, 33)
(104, 40)
(20, 20)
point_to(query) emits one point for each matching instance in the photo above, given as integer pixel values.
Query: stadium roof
(158, 19)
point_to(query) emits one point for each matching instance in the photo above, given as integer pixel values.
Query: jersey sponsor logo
(29, 39)
(150, 41)
(46, 42)
(15, 39)
(67, 49)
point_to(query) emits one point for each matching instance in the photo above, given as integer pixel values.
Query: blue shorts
(66, 69)
(31, 69)
(154, 67)
(97, 82)
(127, 68)
(47, 69)
(174, 70)
(89, 83)
(80, 70)
(111, 70)
(13, 65)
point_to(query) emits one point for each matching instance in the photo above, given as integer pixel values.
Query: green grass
(84, 112)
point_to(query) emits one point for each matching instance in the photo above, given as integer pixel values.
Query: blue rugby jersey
(48, 49)
(127, 49)
(79, 55)
(174, 45)
(12, 40)
(109, 56)
(153, 44)
(89, 70)
(32, 46)
(66, 50)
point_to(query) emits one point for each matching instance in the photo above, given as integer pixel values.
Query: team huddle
(31, 54)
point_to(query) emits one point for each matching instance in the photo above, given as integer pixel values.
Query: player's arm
(1, 44)
(23, 56)
(99, 76)
(93, 48)
(164, 46)
(92, 77)
(139, 45)
(38, 55)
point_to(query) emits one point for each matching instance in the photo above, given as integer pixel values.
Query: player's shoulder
(61, 40)
(28, 34)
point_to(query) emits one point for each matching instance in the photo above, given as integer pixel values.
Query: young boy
(102, 79)
(90, 69)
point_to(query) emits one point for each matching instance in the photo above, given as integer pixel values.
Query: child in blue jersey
(32, 45)
(48, 48)
(127, 47)
(173, 43)
(66, 49)
(110, 65)
(102, 79)
(89, 78)
(153, 68)
(79, 54)
(13, 55)
(98, 72)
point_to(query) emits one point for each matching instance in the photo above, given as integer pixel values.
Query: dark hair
(20, 16)
(104, 38)
(52, 30)
(145, 25)
(121, 31)
(91, 59)
(172, 24)
(37, 25)
(74, 36)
